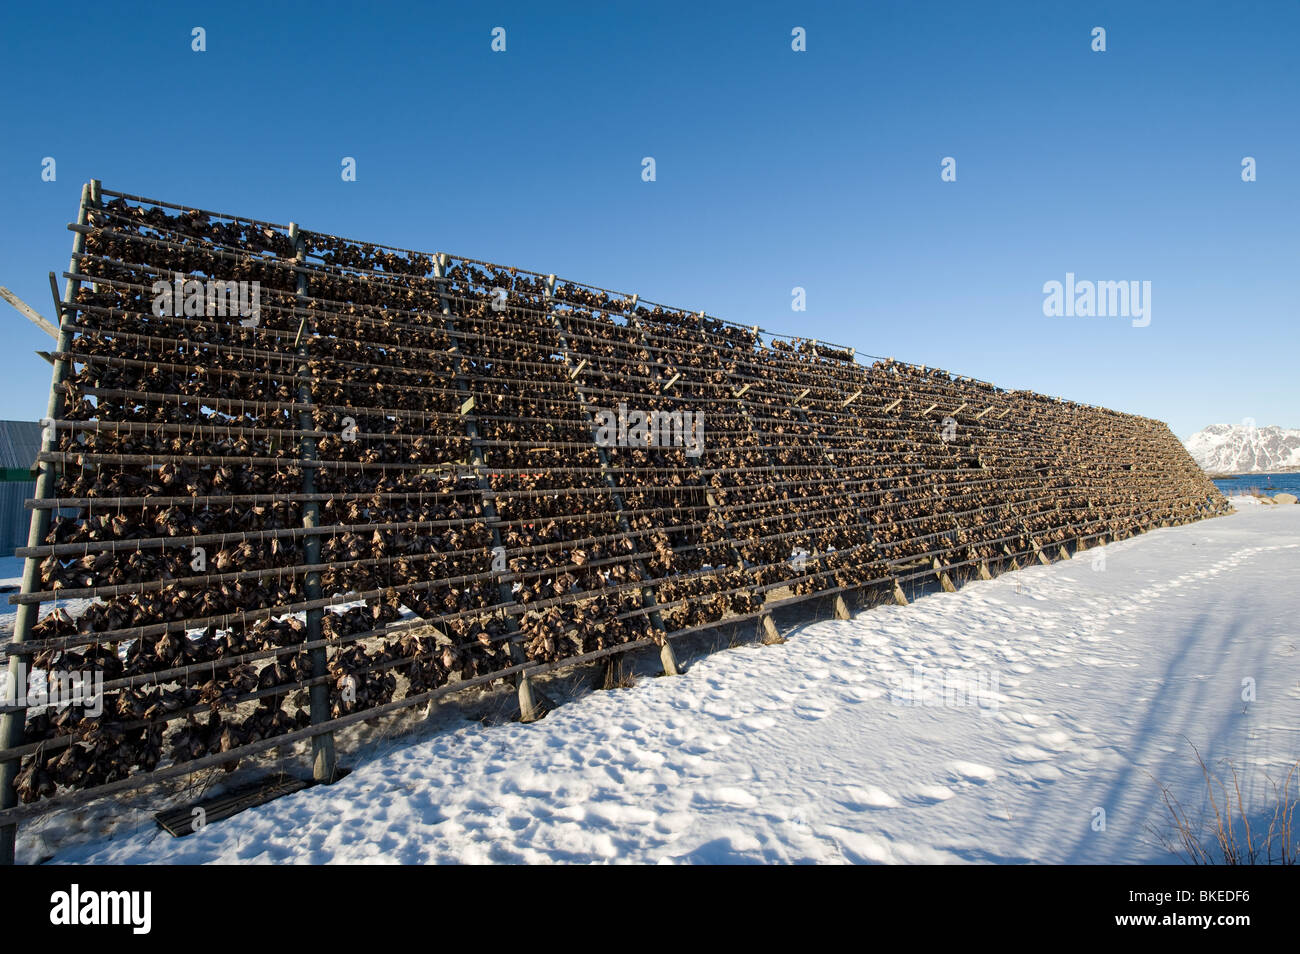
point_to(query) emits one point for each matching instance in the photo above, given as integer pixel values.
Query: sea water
(1266, 483)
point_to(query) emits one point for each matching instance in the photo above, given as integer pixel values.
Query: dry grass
(1233, 839)
(617, 675)
(1254, 491)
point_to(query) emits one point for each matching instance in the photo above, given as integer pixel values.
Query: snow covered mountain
(1245, 448)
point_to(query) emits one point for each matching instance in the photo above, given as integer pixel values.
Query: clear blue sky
(775, 169)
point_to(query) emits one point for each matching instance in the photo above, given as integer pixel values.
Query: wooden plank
(179, 822)
(467, 406)
(578, 370)
(30, 313)
(853, 397)
(673, 381)
(894, 405)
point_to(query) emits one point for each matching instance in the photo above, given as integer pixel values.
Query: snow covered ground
(1095, 676)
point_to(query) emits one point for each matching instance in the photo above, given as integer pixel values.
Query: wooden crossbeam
(853, 397)
(802, 394)
(894, 405)
(929, 409)
(578, 370)
(958, 408)
(983, 412)
(672, 381)
(30, 313)
(742, 391)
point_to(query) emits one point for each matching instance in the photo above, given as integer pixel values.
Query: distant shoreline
(1249, 473)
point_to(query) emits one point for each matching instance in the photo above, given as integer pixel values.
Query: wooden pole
(531, 707)
(666, 655)
(30, 313)
(13, 723)
(324, 760)
(944, 580)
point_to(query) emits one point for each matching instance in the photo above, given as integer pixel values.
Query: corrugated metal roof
(20, 442)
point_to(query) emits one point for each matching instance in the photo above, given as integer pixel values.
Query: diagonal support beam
(30, 313)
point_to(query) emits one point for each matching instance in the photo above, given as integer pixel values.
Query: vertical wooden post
(768, 634)
(531, 708)
(899, 596)
(699, 480)
(944, 579)
(833, 466)
(841, 608)
(324, 761)
(666, 655)
(13, 724)
(984, 571)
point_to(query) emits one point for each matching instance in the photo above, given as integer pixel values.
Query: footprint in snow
(728, 795)
(1029, 753)
(973, 771)
(931, 794)
(856, 694)
(811, 712)
(860, 799)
